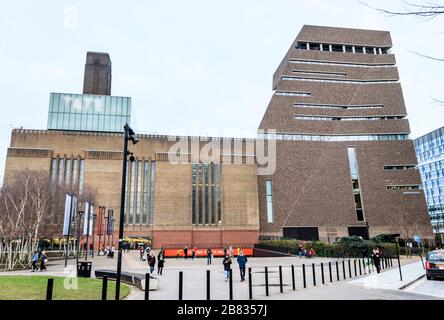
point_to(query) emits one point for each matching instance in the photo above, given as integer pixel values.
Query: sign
(70, 210)
(88, 221)
(417, 238)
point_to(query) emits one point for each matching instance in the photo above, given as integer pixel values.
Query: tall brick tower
(345, 162)
(97, 78)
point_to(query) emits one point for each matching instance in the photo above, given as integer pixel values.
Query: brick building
(345, 164)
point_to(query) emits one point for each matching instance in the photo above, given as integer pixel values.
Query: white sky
(200, 66)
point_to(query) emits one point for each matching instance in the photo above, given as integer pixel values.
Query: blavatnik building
(345, 164)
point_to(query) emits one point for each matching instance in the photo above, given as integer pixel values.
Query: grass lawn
(34, 288)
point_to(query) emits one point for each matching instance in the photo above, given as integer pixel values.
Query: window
(81, 175)
(75, 164)
(339, 80)
(315, 46)
(404, 167)
(403, 187)
(207, 214)
(139, 191)
(269, 191)
(302, 46)
(359, 49)
(336, 48)
(336, 106)
(67, 173)
(353, 164)
(348, 49)
(53, 172)
(336, 138)
(199, 192)
(320, 73)
(60, 172)
(153, 171)
(132, 193)
(292, 94)
(219, 192)
(321, 118)
(203, 193)
(341, 64)
(145, 191)
(193, 194)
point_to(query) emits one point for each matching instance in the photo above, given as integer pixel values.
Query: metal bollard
(314, 274)
(343, 268)
(281, 287)
(360, 270)
(266, 281)
(303, 276)
(231, 284)
(322, 273)
(180, 284)
(147, 286)
(250, 285)
(349, 269)
(49, 289)
(104, 287)
(354, 264)
(329, 272)
(337, 271)
(208, 285)
(293, 282)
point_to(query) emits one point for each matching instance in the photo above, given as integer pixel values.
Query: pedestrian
(376, 259)
(142, 253)
(107, 252)
(242, 261)
(193, 254)
(185, 252)
(43, 261)
(227, 266)
(178, 253)
(113, 249)
(225, 251)
(231, 250)
(160, 261)
(35, 259)
(209, 256)
(151, 261)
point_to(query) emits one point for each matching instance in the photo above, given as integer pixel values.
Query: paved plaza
(385, 285)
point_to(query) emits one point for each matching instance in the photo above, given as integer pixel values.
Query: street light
(397, 235)
(129, 135)
(78, 235)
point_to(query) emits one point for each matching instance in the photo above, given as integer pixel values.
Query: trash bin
(84, 269)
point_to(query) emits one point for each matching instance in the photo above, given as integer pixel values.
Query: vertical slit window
(219, 192)
(153, 170)
(212, 194)
(199, 181)
(67, 173)
(145, 191)
(206, 194)
(133, 187)
(269, 191)
(139, 191)
(60, 172)
(53, 172)
(75, 163)
(81, 174)
(193, 193)
(126, 193)
(353, 163)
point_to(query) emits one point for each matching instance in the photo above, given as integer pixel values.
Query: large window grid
(203, 193)
(67, 173)
(332, 138)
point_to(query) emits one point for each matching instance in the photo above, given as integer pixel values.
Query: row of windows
(205, 198)
(341, 64)
(67, 173)
(86, 122)
(403, 187)
(434, 192)
(431, 154)
(320, 73)
(435, 165)
(341, 48)
(432, 183)
(139, 193)
(404, 167)
(292, 94)
(430, 141)
(340, 80)
(435, 174)
(336, 138)
(335, 106)
(89, 103)
(438, 200)
(320, 118)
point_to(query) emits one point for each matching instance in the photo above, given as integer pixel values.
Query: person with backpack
(151, 262)
(35, 259)
(227, 266)
(242, 261)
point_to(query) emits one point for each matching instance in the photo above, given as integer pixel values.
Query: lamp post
(112, 231)
(100, 226)
(94, 220)
(397, 252)
(87, 219)
(78, 235)
(128, 135)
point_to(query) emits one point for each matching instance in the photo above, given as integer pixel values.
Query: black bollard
(49, 289)
(337, 271)
(180, 284)
(343, 268)
(360, 270)
(314, 274)
(329, 272)
(354, 264)
(104, 287)
(382, 263)
(266, 281)
(303, 276)
(349, 269)
(231, 284)
(208, 285)
(293, 282)
(281, 286)
(147, 286)
(250, 285)
(322, 273)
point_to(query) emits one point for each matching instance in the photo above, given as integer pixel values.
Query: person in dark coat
(242, 261)
(152, 262)
(160, 261)
(227, 266)
(209, 256)
(43, 260)
(376, 259)
(185, 252)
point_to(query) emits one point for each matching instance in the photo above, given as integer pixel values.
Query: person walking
(142, 253)
(209, 256)
(377, 260)
(151, 261)
(35, 259)
(242, 261)
(160, 261)
(227, 266)
(185, 252)
(43, 261)
(299, 251)
(193, 253)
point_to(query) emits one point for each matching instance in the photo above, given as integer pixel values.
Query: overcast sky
(200, 66)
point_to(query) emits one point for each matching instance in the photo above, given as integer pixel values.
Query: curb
(411, 282)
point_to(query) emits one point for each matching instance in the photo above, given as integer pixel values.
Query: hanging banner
(88, 221)
(70, 210)
(99, 221)
(109, 228)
